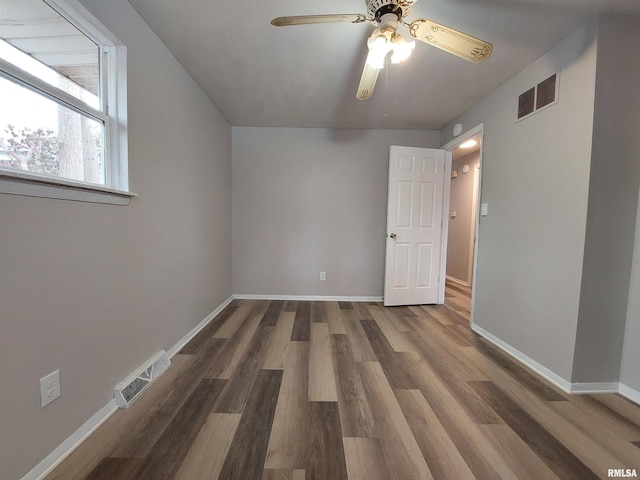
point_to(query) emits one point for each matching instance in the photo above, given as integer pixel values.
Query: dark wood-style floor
(338, 390)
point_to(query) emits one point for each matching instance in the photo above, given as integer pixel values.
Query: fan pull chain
(386, 85)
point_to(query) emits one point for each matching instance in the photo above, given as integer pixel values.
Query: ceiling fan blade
(367, 82)
(450, 40)
(311, 19)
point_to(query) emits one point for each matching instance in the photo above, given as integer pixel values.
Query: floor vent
(131, 387)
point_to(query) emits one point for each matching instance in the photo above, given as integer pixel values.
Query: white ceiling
(307, 75)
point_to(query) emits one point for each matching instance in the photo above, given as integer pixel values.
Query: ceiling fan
(387, 15)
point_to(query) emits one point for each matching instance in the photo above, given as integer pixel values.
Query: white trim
(444, 232)
(72, 442)
(557, 380)
(34, 185)
(62, 451)
(631, 393)
(541, 370)
(458, 281)
(195, 330)
(477, 130)
(112, 115)
(306, 298)
(595, 387)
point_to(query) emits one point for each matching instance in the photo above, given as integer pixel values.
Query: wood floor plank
(398, 317)
(360, 346)
(517, 454)
(397, 375)
(283, 475)
(583, 446)
(355, 415)
(610, 438)
(483, 459)
(290, 306)
(400, 448)
(361, 310)
(365, 459)
(454, 373)
(235, 349)
(278, 344)
(394, 336)
(322, 380)
(237, 318)
(302, 324)
(286, 448)
(557, 457)
(206, 456)
(318, 312)
(623, 407)
(446, 315)
(166, 456)
(532, 381)
(238, 388)
(439, 451)
(111, 468)
(196, 343)
(334, 319)
(324, 457)
(246, 456)
(436, 344)
(270, 317)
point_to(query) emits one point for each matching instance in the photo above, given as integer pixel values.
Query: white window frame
(113, 112)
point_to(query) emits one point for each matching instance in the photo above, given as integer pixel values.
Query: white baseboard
(306, 298)
(631, 393)
(557, 380)
(195, 330)
(595, 387)
(541, 370)
(458, 281)
(74, 440)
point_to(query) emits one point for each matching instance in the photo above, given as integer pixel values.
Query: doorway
(463, 220)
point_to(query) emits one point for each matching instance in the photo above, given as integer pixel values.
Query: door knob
(393, 235)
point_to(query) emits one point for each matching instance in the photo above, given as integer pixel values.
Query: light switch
(484, 209)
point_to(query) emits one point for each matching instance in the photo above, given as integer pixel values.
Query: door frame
(450, 146)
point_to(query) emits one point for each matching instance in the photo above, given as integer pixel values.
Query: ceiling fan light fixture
(379, 46)
(401, 48)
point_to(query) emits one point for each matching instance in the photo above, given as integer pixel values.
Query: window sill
(33, 185)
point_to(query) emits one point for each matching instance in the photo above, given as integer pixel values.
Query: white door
(414, 273)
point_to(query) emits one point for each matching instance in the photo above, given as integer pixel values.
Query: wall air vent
(538, 97)
(131, 387)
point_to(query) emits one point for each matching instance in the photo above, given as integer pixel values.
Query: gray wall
(311, 200)
(460, 226)
(95, 290)
(613, 200)
(630, 369)
(535, 178)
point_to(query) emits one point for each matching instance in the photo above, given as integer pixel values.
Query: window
(63, 97)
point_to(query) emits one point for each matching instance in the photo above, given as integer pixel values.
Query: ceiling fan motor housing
(377, 8)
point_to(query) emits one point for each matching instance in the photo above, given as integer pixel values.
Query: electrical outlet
(323, 276)
(49, 388)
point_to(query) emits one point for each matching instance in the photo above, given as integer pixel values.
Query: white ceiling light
(469, 144)
(384, 40)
